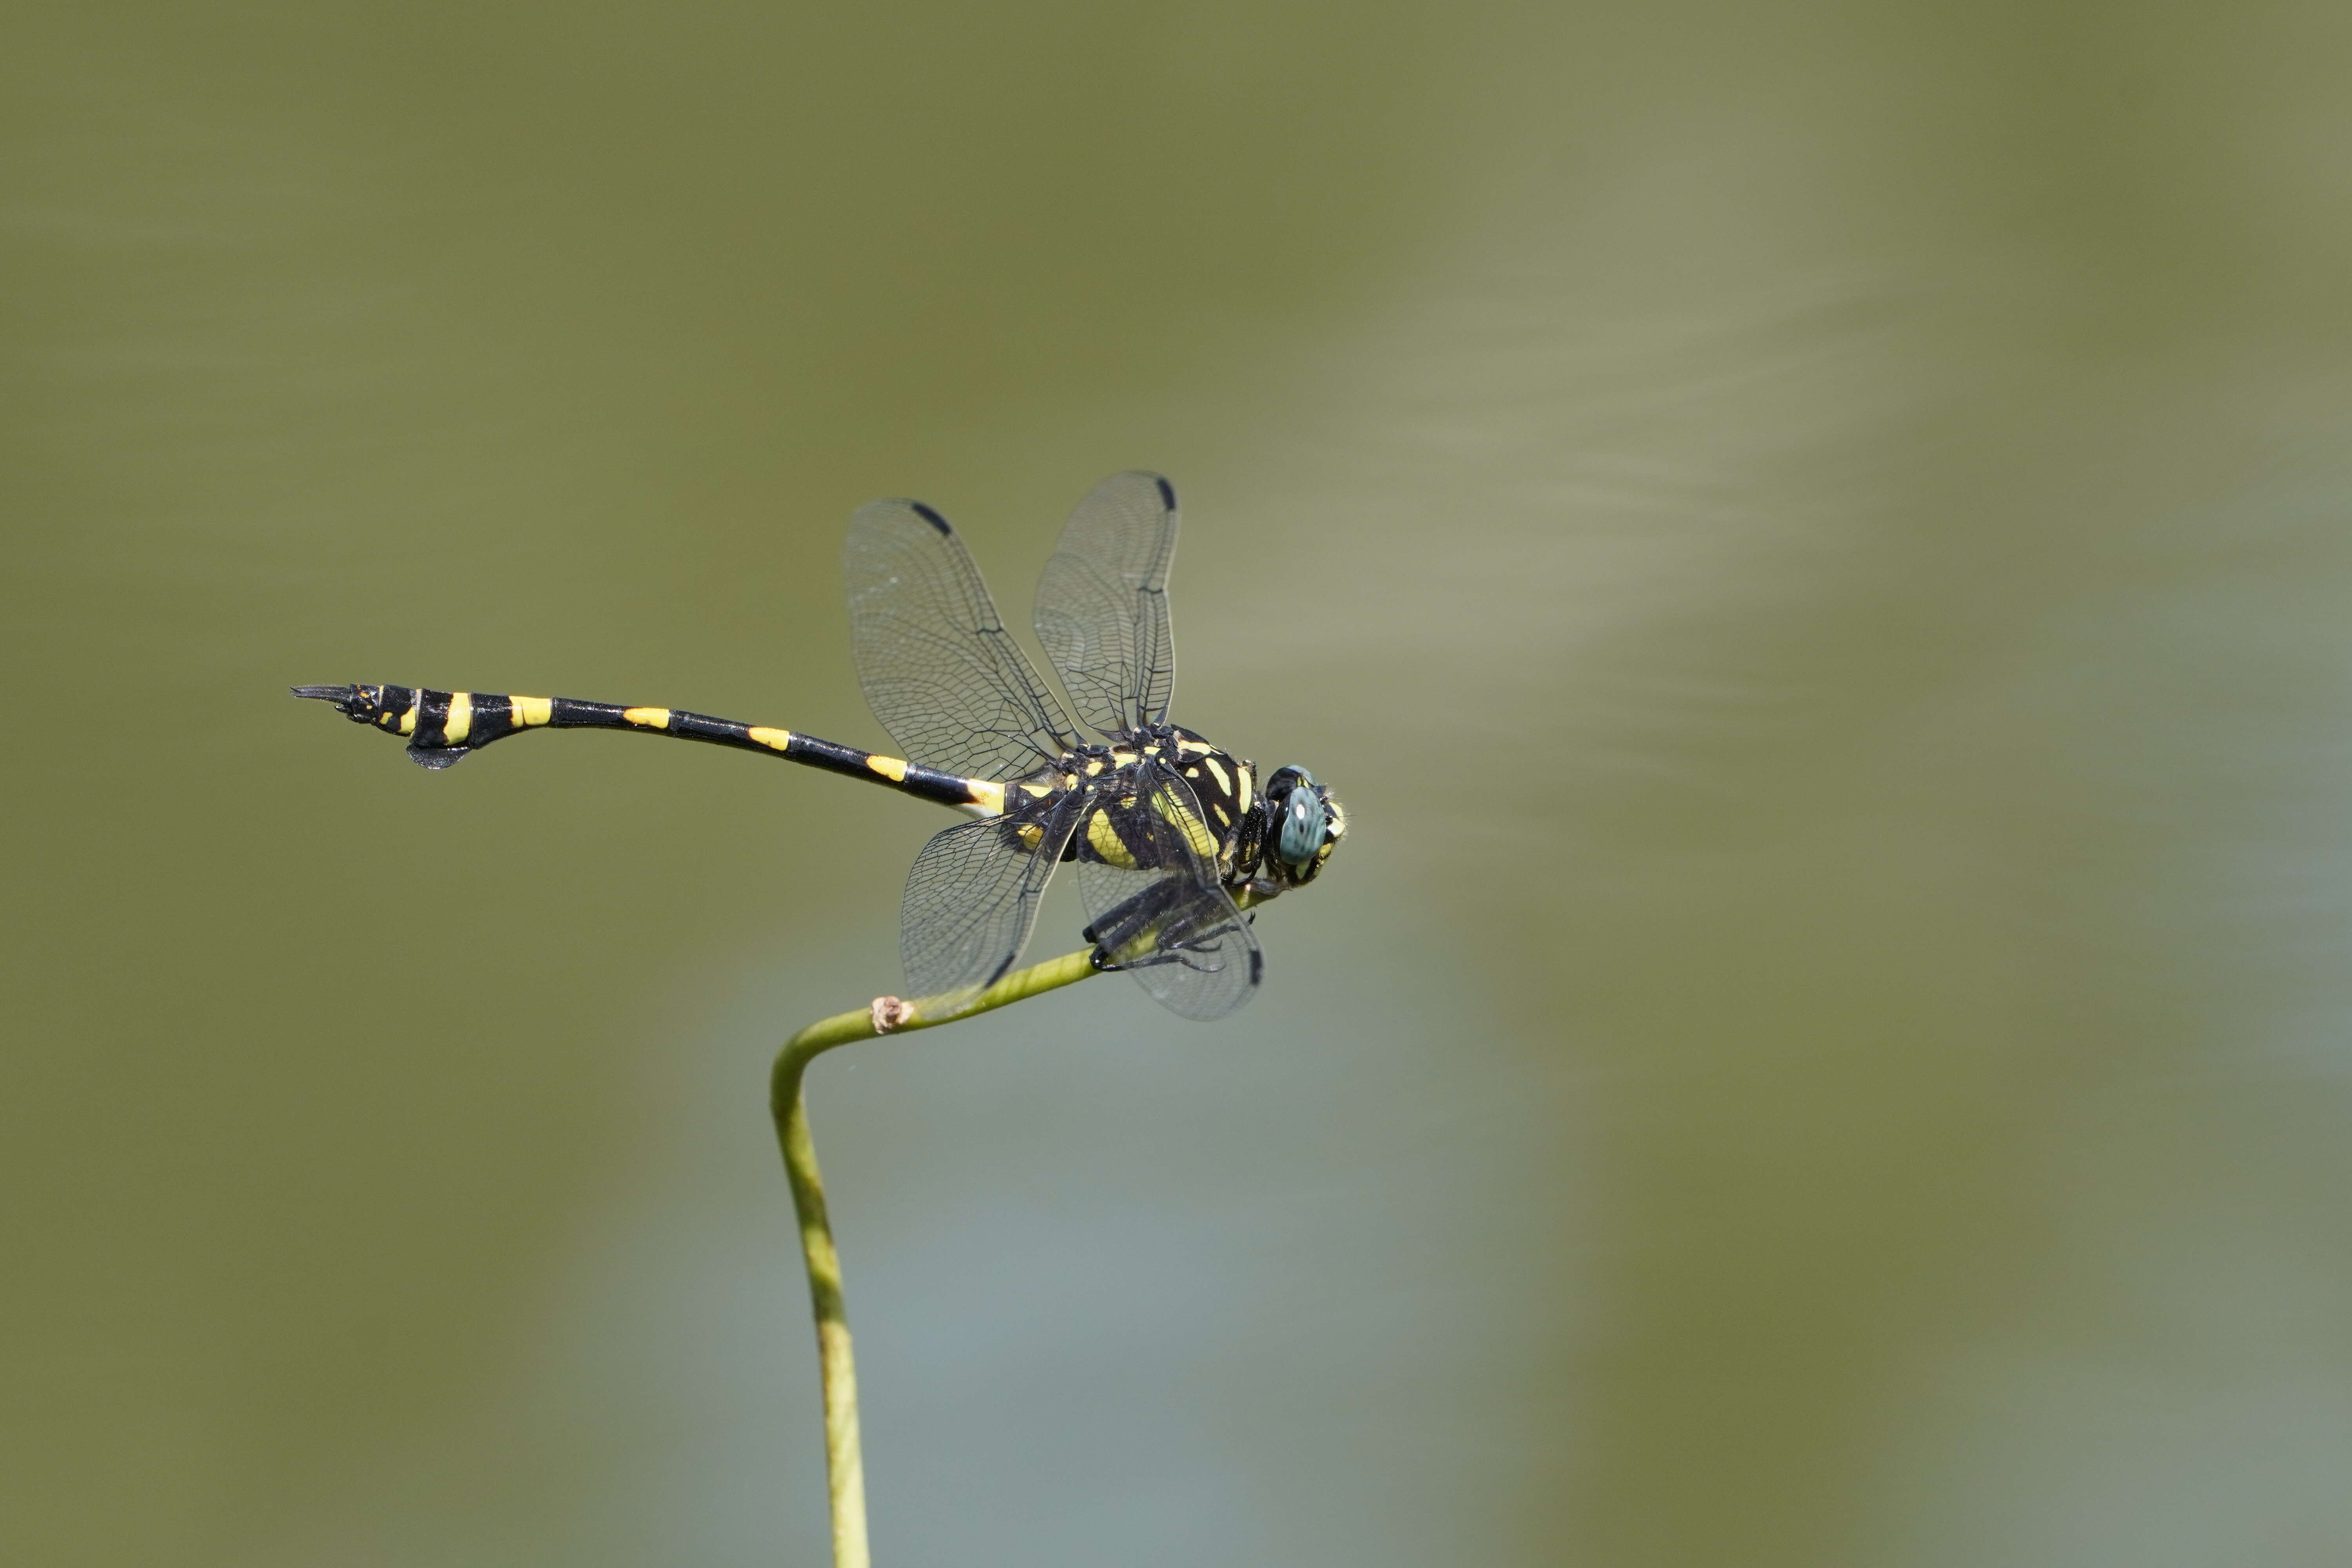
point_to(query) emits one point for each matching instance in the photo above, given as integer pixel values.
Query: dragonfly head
(1302, 825)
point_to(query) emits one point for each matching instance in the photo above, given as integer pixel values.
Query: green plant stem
(844, 1463)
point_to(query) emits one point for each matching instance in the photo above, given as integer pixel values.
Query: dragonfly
(1174, 840)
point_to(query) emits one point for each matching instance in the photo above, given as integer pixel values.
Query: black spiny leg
(1174, 908)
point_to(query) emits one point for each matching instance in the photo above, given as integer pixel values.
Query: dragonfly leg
(1161, 905)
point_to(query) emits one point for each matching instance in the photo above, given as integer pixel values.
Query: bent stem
(845, 1467)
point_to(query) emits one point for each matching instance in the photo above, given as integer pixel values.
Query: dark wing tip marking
(928, 515)
(324, 693)
(1167, 492)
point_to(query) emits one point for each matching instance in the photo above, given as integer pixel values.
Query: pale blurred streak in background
(1812, 542)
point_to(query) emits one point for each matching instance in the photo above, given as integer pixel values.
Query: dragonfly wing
(939, 668)
(1147, 873)
(1102, 603)
(971, 900)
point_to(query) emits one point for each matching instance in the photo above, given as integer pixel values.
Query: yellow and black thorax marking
(443, 728)
(1215, 823)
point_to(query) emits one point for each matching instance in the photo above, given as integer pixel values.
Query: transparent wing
(1102, 603)
(971, 900)
(1166, 918)
(939, 668)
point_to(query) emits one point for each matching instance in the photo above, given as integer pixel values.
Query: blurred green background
(1811, 540)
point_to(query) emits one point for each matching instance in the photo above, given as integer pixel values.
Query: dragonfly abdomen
(443, 728)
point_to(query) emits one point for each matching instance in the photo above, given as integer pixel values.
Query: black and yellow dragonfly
(1173, 839)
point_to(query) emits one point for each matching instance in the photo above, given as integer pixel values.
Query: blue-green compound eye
(1303, 822)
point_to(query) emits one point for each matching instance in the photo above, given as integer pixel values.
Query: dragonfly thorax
(1263, 836)
(1206, 796)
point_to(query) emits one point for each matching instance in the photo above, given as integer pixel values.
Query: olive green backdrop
(1812, 541)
